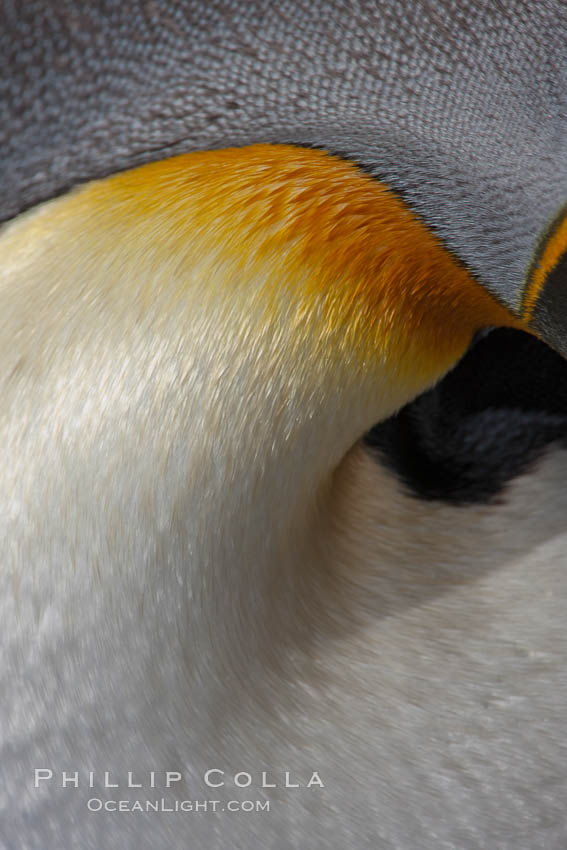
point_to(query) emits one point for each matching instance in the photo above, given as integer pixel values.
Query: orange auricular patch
(549, 254)
(316, 223)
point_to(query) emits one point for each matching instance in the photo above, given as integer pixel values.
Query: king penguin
(283, 413)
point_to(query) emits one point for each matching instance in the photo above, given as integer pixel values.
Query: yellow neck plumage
(255, 308)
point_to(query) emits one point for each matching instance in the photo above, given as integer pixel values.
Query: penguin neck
(201, 341)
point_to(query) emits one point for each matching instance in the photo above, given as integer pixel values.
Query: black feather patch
(486, 422)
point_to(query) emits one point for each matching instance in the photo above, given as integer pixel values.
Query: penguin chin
(489, 420)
